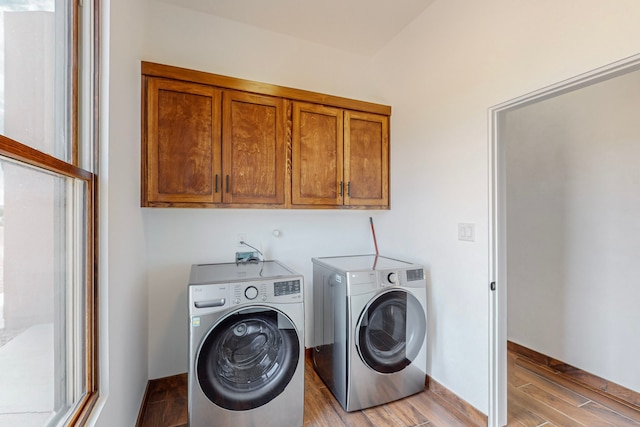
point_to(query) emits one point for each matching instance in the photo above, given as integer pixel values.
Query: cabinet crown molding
(152, 69)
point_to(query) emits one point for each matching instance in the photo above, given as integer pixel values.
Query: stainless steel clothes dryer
(246, 345)
(370, 328)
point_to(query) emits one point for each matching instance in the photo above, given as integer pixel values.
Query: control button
(236, 301)
(251, 292)
(264, 297)
(392, 278)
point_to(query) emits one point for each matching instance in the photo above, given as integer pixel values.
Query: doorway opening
(557, 212)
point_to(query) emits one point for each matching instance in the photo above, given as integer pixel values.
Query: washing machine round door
(248, 358)
(391, 331)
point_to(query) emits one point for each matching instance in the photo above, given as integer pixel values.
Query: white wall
(441, 74)
(177, 238)
(204, 42)
(122, 280)
(573, 233)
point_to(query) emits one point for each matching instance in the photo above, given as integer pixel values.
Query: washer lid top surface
(232, 272)
(362, 263)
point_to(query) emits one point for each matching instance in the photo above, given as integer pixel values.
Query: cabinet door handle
(216, 183)
(227, 190)
(349, 189)
(340, 188)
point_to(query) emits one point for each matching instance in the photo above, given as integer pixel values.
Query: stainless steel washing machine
(370, 328)
(246, 345)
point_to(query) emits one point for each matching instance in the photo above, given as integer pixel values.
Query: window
(47, 214)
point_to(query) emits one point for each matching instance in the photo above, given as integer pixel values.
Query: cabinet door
(317, 155)
(253, 148)
(366, 164)
(182, 152)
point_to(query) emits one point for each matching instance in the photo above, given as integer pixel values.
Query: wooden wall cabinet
(216, 141)
(340, 157)
(318, 150)
(366, 159)
(181, 143)
(207, 146)
(253, 149)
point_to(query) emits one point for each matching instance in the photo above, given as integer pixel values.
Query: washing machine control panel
(215, 297)
(286, 290)
(287, 287)
(254, 292)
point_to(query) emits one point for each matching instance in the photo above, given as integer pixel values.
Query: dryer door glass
(391, 331)
(248, 358)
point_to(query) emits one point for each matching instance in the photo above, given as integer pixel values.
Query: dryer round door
(248, 358)
(391, 331)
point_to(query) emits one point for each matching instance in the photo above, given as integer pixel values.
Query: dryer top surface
(362, 263)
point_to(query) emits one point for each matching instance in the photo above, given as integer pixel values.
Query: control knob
(251, 292)
(392, 278)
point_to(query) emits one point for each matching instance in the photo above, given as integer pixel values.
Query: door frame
(497, 416)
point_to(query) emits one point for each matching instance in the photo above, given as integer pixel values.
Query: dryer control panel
(402, 277)
(391, 278)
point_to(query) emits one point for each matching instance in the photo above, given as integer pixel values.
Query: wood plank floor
(537, 397)
(321, 409)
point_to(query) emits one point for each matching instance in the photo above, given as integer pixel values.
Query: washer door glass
(391, 331)
(248, 358)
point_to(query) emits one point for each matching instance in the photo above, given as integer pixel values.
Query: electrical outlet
(241, 237)
(467, 232)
